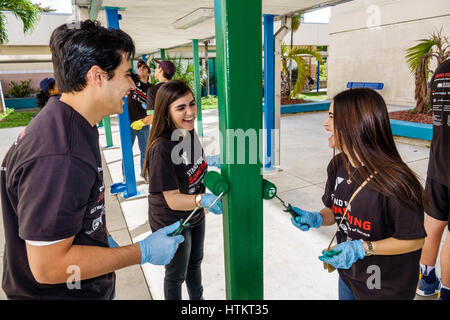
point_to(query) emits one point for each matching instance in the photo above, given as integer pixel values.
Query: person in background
(438, 190)
(163, 73)
(137, 109)
(380, 233)
(48, 88)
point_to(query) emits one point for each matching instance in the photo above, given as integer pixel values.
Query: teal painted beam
(306, 107)
(198, 87)
(412, 129)
(238, 30)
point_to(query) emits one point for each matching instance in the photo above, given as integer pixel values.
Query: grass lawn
(320, 96)
(17, 119)
(210, 102)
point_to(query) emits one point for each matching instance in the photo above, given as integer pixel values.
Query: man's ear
(95, 75)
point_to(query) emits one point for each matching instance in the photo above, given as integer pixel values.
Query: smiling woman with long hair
(374, 198)
(175, 166)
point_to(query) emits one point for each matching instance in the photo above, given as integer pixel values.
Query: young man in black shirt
(164, 72)
(51, 180)
(438, 190)
(137, 109)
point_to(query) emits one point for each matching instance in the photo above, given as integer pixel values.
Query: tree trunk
(422, 93)
(206, 66)
(290, 64)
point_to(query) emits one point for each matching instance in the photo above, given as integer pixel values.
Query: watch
(370, 248)
(198, 200)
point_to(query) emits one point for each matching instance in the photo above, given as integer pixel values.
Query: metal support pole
(128, 187)
(269, 93)
(163, 54)
(108, 134)
(198, 87)
(240, 95)
(278, 39)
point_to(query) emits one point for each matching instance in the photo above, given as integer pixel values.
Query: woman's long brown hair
(362, 127)
(162, 122)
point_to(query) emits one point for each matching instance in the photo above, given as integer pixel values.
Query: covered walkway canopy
(237, 27)
(165, 24)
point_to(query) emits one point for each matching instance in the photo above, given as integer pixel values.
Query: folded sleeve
(408, 223)
(329, 186)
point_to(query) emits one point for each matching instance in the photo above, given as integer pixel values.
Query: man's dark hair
(76, 48)
(167, 76)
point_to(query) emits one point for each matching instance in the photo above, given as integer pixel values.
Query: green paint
(107, 123)
(198, 88)
(163, 54)
(240, 96)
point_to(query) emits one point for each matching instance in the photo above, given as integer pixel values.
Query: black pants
(185, 266)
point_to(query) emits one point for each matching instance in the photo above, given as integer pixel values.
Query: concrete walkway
(291, 267)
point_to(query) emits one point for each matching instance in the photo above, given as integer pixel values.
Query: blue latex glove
(159, 248)
(208, 199)
(213, 161)
(306, 219)
(112, 243)
(344, 255)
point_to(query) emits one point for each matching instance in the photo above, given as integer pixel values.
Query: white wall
(369, 38)
(309, 34)
(40, 34)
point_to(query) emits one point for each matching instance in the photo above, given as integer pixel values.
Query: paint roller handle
(212, 202)
(179, 230)
(306, 219)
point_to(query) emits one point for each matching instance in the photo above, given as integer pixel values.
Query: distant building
(28, 56)
(368, 42)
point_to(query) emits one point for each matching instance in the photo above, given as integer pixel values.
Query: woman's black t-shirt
(373, 216)
(175, 165)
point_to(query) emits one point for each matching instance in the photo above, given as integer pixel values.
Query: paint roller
(218, 185)
(270, 192)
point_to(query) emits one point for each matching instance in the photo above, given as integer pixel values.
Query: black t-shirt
(373, 216)
(137, 99)
(439, 163)
(51, 189)
(175, 165)
(151, 95)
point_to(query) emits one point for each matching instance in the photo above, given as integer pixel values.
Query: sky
(61, 6)
(321, 15)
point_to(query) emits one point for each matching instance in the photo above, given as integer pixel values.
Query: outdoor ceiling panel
(152, 23)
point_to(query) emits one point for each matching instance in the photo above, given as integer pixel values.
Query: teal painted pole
(198, 87)
(163, 54)
(108, 134)
(240, 121)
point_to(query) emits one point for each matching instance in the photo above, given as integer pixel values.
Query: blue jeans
(344, 292)
(142, 136)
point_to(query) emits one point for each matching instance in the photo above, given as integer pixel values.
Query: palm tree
(23, 10)
(418, 58)
(295, 54)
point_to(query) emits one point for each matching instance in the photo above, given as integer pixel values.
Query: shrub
(21, 89)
